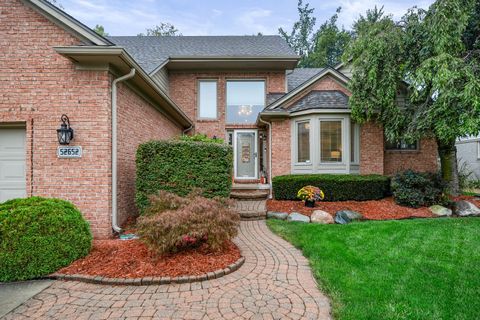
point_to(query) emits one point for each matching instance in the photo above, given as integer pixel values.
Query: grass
(404, 269)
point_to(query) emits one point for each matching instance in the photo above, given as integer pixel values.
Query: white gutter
(270, 190)
(130, 75)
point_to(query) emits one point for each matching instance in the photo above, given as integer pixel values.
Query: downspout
(188, 129)
(130, 75)
(270, 193)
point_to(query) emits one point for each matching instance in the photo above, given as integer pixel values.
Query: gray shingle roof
(321, 99)
(298, 76)
(151, 51)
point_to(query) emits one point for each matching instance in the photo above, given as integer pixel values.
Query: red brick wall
(281, 153)
(371, 149)
(37, 86)
(425, 159)
(183, 90)
(138, 121)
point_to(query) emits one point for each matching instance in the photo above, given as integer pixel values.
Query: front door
(245, 154)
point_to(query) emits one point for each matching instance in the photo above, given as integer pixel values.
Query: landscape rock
(347, 216)
(321, 217)
(295, 216)
(277, 215)
(466, 209)
(440, 211)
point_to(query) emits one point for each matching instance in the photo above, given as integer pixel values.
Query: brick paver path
(274, 283)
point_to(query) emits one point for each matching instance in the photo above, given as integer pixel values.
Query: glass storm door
(245, 149)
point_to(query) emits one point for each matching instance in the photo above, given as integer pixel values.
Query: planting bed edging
(150, 280)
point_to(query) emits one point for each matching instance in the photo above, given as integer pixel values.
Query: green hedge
(38, 236)
(337, 187)
(180, 166)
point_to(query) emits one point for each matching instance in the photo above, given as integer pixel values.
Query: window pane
(303, 142)
(245, 99)
(401, 145)
(331, 141)
(207, 99)
(352, 142)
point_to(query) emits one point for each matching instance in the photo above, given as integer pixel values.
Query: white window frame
(198, 99)
(310, 137)
(478, 150)
(356, 136)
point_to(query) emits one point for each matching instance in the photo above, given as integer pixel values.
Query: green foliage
(200, 137)
(321, 48)
(329, 43)
(431, 56)
(180, 166)
(336, 187)
(196, 221)
(392, 270)
(100, 30)
(163, 29)
(300, 38)
(417, 189)
(38, 236)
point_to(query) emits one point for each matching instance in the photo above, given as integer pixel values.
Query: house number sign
(69, 152)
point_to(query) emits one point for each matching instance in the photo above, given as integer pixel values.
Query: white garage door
(12, 163)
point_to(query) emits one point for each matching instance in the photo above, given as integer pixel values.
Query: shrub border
(145, 281)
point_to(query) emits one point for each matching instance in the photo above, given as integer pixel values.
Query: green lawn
(409, 269)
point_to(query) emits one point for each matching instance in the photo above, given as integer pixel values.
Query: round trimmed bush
(38, 236)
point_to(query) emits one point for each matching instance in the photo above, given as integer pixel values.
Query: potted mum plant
(310, 194)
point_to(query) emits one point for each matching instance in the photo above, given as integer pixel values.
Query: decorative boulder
(346, 216)
(298, 217)
(277, 215)
(440, 211)
(321, 217)
(465, 209)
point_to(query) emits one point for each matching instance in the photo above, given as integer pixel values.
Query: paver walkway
(274, 283)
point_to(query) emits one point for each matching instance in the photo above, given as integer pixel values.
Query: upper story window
(207, 99)
(245, 100)
(401, 145)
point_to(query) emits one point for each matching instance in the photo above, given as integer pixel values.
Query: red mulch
(132, 259)
(384, 209)
(474, 200)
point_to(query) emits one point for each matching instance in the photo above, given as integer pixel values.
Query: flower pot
(310, 203)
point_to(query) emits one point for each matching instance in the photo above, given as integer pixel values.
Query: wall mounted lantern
(65, 133)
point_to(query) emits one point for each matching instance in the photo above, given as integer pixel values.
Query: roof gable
(296, 92)
(67, 22)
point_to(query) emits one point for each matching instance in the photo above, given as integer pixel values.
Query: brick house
(121, 91)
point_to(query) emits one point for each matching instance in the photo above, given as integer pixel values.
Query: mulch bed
(385, 209)
(132, 259)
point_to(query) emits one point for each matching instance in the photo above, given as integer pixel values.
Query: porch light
(65, 133)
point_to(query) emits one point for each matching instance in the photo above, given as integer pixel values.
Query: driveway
(275, 282)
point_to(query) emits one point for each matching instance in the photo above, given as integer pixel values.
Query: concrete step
(249, 194)
(253, 215)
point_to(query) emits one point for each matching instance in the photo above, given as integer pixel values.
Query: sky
(219, 17)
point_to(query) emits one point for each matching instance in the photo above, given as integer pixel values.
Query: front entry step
(251, 209)
(249, 194)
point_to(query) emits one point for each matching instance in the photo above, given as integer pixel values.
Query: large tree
(432, 53)
(100, 30)
(300, 38)
(320, 48)
(329, 43)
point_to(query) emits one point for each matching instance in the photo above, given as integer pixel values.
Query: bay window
(303, 142)
(331, 141)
